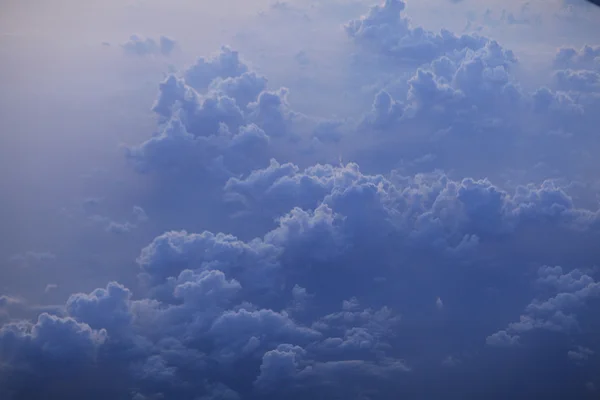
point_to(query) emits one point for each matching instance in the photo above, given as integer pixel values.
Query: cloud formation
(219, 118)
(571, 291)
(386, 30)
(440, 244)
(141, 46)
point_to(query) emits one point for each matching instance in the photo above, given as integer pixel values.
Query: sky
(302, 199)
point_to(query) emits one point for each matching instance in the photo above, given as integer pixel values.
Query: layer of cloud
(321, 248)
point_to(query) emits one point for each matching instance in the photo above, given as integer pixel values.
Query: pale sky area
(303, 199)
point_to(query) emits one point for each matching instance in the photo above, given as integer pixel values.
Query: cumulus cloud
(570, 291)
(473, 98)
(469, 206)
(216, 287)
(304, 275)
(226, 64)
(583, 58)
(386, 30)
(217, 119)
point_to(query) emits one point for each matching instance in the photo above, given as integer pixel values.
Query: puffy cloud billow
(387, 31)
(443, 244)
(474, 100)
(218, 118)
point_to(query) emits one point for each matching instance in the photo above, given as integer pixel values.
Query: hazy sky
(325, 199)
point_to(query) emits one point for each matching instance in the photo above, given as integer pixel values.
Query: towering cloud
(385, 30)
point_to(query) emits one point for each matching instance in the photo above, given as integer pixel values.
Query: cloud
(8, 305)
(226, 64)
(302, 58)
(218, 119)
(32, 258)
(469, 206)
(525, 15)
(475, 79)
(570, 290)
(439, 303)
(279, 365)
(473, 98)
(239, 297)
(107, 319)
(580, 354)
(93, 309)
(49, 341)
(450, 362)
(278, 254)
(116, 227)
(385, 30)
(172, 251)
(50, 287)
(140, 46)
(502, 338)
(583, 58)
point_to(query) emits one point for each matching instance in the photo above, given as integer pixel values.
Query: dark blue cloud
(32, 353)
(103, 308)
